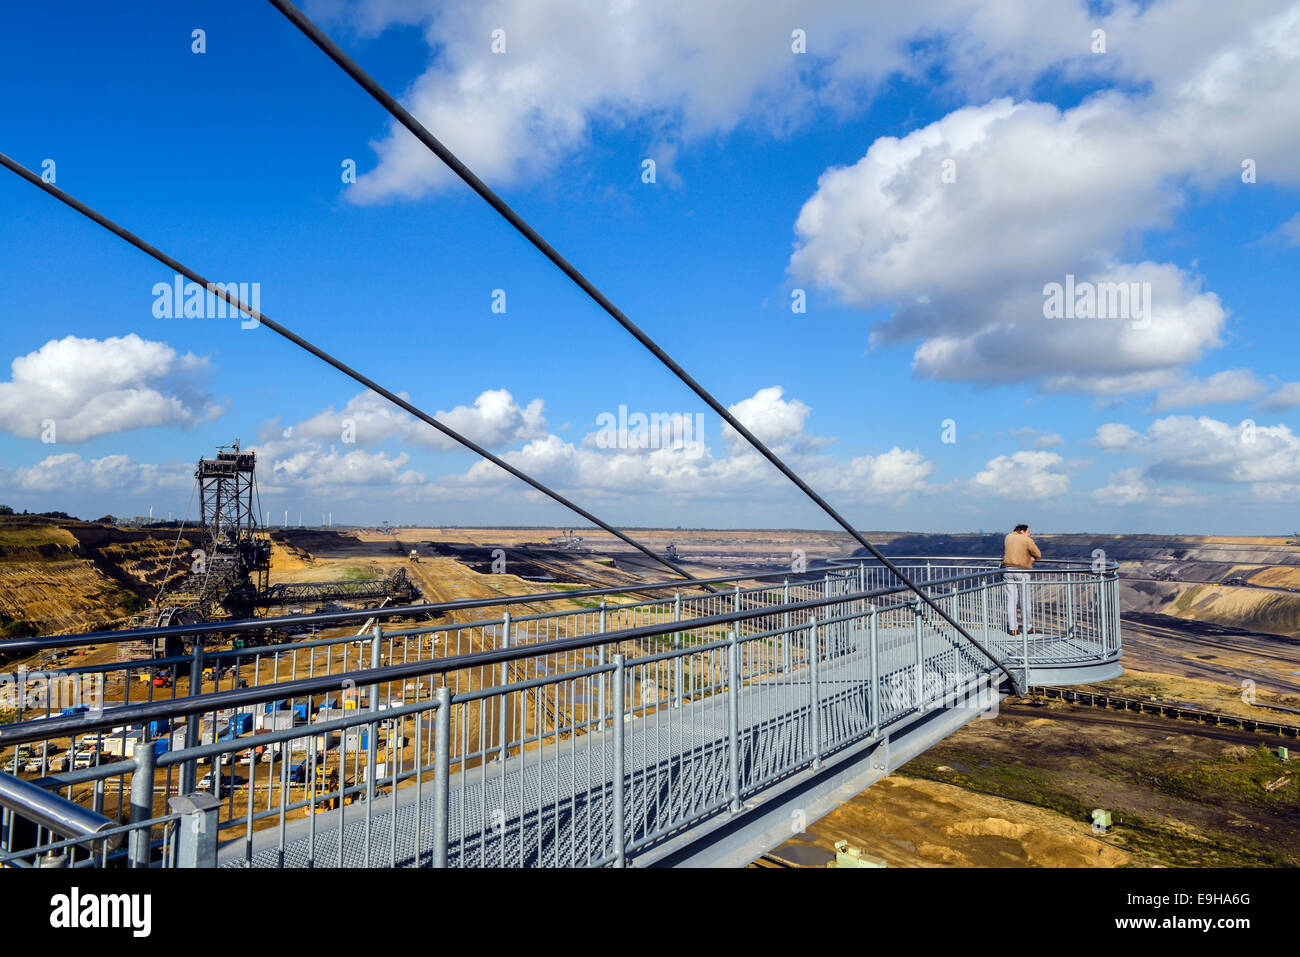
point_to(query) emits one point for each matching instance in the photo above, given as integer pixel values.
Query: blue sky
(776, 171)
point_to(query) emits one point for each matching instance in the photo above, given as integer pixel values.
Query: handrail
(66, 818)
(342, 617)
(462, 604)
(42, 728)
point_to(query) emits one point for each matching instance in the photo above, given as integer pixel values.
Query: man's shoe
(1014, 631)
(1030, 630)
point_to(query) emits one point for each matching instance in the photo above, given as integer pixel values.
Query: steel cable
(319, 353)
(403, 116)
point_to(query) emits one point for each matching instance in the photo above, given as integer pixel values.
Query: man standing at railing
(1018, 551)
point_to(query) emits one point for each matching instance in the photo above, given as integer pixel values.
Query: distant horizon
(829, 530)
(1017, 263)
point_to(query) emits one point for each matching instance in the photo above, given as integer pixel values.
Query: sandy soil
(911, 822)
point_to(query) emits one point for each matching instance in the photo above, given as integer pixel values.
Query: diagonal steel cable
(403, 116)
(319, 353)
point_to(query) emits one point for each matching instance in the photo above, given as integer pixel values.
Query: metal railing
(579, 736)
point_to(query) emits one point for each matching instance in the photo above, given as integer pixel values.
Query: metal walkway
(668, 770)
(669, 730)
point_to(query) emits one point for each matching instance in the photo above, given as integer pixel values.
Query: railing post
(372, 745)
(677, 646)
(875, 675)
(196, 834)
(620, 837)
(441, 775)
(1103, 618)
(984, 608)
(814, 696)
(141, 805)
(1069, 605)
(601, 654)
(1113, 587)
(735, 606)
(189, 770)
(1024, 645)
(196, 667)
(733, 719)
(786, 637)
(862, 602)
(917, 636)
(505, 680)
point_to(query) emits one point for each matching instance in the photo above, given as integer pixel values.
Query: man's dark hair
(1021, 528)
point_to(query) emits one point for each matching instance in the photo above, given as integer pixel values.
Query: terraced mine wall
(68, 576)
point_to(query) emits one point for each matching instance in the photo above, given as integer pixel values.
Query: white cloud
(1116, 437)
(684, 70)
(1230, 385)
(1289, 232)
(1123, 488)
(328, 470)
(777, 422)
(1286, 397)
(68, 472)
(1209, 450)
(1130, 487)
(93, 387)
(896, 472)
(1203, 449)
(696, 470)
(495, 420)
(1042, 193)
(1027, 476)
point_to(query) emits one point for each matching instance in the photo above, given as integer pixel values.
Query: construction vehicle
(162, 680)
(327, 778)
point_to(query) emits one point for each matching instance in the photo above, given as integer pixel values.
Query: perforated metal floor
(555, 808)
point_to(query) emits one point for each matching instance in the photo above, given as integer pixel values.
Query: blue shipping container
(240, 724)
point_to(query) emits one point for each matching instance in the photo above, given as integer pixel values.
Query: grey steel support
(787, 638)
(620, 792)
(141, 806)
(677, 646)
(190, 769)
(502, 731)
(814, 695)
(875, 674)
(733, 720)
(1069, 608)
(196, 832)
(601, 655)
(49, 809)
(1024, 651)
(984, 608)
(917, 634)
(441, 775)
(372, 744)
(196, 668)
